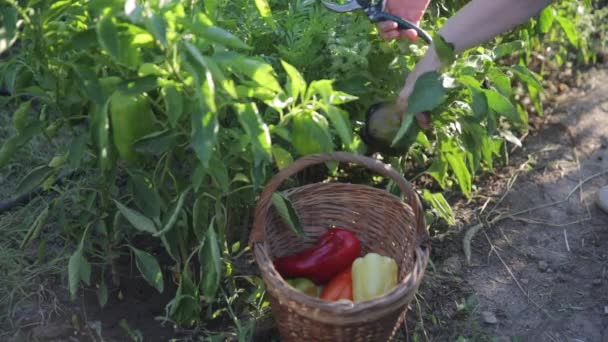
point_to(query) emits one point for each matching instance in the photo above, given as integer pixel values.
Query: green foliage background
(176, 113)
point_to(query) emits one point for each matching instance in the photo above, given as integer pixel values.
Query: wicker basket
(383, 222)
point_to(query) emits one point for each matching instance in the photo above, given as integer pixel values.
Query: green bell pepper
(373, 276)
(305, 285)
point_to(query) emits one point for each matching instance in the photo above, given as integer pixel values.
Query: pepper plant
(177, 113)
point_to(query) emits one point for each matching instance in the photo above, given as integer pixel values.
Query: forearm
(474, 24)
(481, 20)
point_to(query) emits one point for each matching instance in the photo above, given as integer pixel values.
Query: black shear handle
(402, 24)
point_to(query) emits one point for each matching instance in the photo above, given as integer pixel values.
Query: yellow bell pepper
(373, 276)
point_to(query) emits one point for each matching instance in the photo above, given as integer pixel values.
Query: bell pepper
(373, 276)
(339, 287)
(304, 285)
(334, 252)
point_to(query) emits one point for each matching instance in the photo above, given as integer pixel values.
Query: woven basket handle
(258, 233)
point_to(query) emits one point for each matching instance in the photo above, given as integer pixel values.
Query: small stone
(606, 310)
(524, 281)
(597, 282)
(489, 317)
(549, 270)
(543, 266)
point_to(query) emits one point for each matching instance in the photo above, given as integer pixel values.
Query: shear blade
(350, 6)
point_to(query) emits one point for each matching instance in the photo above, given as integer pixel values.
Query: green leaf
(200, 217)
(205, 128)
(265, 12)
(137, 219)
(85, 271)
(20, 120)
(339, 120)
(428, 93)
(439, 171)
(508, 48)
(36, 227)
(282, 157)
(258, 71)
(206, 62)
(158, 27)
(219, 173)
(149, 268)
(76, 150)
(445, 50)
(527, 76)
(500, 104)
(8, 30)
(174, 104)
(455, 157)
(545, 19)
(568, 26)
(219, 35)
(296, 84)
(287, 212)
(33, 179)
(155, 143)
(107, 35)
(14, 143)
(102, 293)
(144, 194)
(78, 269)
(439, 203)
(310, 133)
(257, 130)
(406, 124)
(500, 80)
(175, 212)
(211, 267)
(139, 85)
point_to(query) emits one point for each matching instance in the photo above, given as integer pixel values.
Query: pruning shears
(375, 12)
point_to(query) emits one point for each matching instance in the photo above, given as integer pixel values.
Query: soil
(541, 275)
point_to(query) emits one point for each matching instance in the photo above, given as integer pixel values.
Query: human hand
(411, 10)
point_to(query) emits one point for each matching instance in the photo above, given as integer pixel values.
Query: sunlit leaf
(205, 127)
(257, 130)
(295, 82)
(439, 203)
(282, 157)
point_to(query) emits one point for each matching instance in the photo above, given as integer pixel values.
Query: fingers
(387, 26)
(389, 30)
(410, 34)
(424, 120)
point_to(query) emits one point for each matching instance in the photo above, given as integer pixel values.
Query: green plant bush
(179, 112)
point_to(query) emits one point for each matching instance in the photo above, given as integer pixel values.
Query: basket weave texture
(384, 223)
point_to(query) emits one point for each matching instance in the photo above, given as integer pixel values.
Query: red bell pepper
(334, 252)
(339, 287)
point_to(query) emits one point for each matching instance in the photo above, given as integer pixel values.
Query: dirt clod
(597, 282)
(543, 266)
(489, 317)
